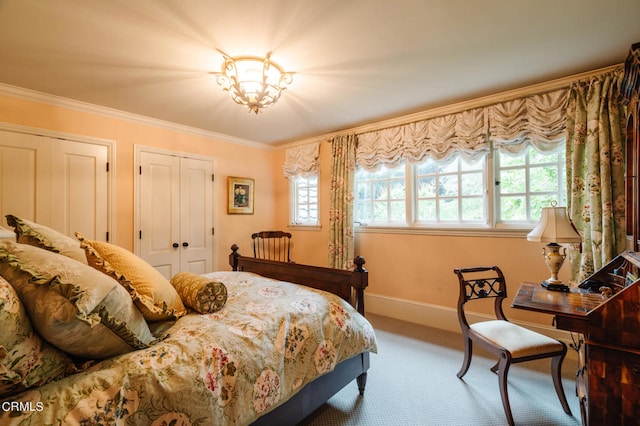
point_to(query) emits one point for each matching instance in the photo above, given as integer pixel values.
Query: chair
(272, 245)
(511, 343)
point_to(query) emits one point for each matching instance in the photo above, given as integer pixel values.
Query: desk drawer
(614, 385)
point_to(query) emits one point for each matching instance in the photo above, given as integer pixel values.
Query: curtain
(595, 171)
(302, 161)
(537, 120)
(341, 242)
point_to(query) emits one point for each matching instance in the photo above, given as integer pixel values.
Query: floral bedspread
(270, 339)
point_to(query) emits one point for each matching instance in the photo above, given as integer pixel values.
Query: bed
(288, 337)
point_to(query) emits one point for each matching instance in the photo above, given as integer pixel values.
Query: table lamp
(554, 227)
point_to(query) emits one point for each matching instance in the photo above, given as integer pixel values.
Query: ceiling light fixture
(253, 81)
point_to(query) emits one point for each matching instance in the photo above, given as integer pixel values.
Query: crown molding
(46, 98)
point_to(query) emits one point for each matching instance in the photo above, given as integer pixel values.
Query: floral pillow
(199, 293)
(25, 359)
(32, 233)
(74, 307)
(152, 293)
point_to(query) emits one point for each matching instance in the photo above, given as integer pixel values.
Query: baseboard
(445, 318)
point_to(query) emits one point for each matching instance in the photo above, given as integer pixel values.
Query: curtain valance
(462, 133)
(511, 126)
(538, 120)
(302, 161)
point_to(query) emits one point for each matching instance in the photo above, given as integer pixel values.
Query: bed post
(359, 281)
(233, 257)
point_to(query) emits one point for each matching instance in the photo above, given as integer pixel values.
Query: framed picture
(240, 195)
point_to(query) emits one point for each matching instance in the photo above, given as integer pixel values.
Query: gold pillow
(34, 234)
(152, 293)
(74, 307)
(200, 293)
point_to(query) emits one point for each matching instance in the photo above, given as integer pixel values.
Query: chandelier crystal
(253, 81)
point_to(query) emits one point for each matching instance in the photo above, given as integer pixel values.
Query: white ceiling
(355, 61)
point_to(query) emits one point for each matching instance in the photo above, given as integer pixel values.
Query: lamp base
(555, 286)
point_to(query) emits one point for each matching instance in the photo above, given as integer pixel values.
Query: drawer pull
(636, 369)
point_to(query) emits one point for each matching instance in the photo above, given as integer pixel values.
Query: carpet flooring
(412, 381)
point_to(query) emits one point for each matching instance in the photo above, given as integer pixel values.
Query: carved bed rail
(349, 285)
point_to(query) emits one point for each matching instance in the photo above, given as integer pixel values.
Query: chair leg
(468, 353)
(503, 369)
(556, 373)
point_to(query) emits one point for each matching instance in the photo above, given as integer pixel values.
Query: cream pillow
(74, 307)
(152, 293)
(25, 359)
(28, 232)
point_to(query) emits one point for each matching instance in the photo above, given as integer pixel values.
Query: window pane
(472, 184)
(513, 208)
(472, 209)
(427, 186)
(513, 181)
(543, 179)
(448, 185)
(380, 195)
(305, 204)
(448, 208)
(507, 160)
(427, 210)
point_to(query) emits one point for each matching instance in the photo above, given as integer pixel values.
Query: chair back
(483, 282)
(272, 245)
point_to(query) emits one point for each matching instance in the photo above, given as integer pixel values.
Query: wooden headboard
(349, 285)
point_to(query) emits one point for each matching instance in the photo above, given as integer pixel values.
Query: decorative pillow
(74, 307)
(25, 360)
(31, 233)
(200, 293)
(152, 293)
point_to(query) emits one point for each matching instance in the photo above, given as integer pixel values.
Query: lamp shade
(554, 227)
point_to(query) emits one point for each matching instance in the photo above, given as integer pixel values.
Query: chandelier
(253, 81)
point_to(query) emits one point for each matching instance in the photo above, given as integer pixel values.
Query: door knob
(176, 245)
(185, 244)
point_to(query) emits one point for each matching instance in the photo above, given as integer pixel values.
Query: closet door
(25, 169)
(196, 219)
(80, 184)
(58, 183)
(175, 213)
(159, 212)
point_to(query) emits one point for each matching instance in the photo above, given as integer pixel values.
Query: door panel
(196, 195)
(25, 169)
(80, 182)
(160, 212)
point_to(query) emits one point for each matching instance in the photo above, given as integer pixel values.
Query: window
(380, 196)
(305, 200)
(456, 193)
(451, 192)
(528, 182)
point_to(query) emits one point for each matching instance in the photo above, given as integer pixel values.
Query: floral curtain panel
(341, 242)
(302, 161)
(595, 171)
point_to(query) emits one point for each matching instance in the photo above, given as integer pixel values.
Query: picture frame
(240, 195)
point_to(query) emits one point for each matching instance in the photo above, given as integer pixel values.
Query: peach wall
(230, 160)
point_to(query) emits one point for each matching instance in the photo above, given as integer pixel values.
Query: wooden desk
(608, 342)
(570, 308)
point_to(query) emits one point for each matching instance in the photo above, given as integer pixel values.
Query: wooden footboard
(349, 285)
